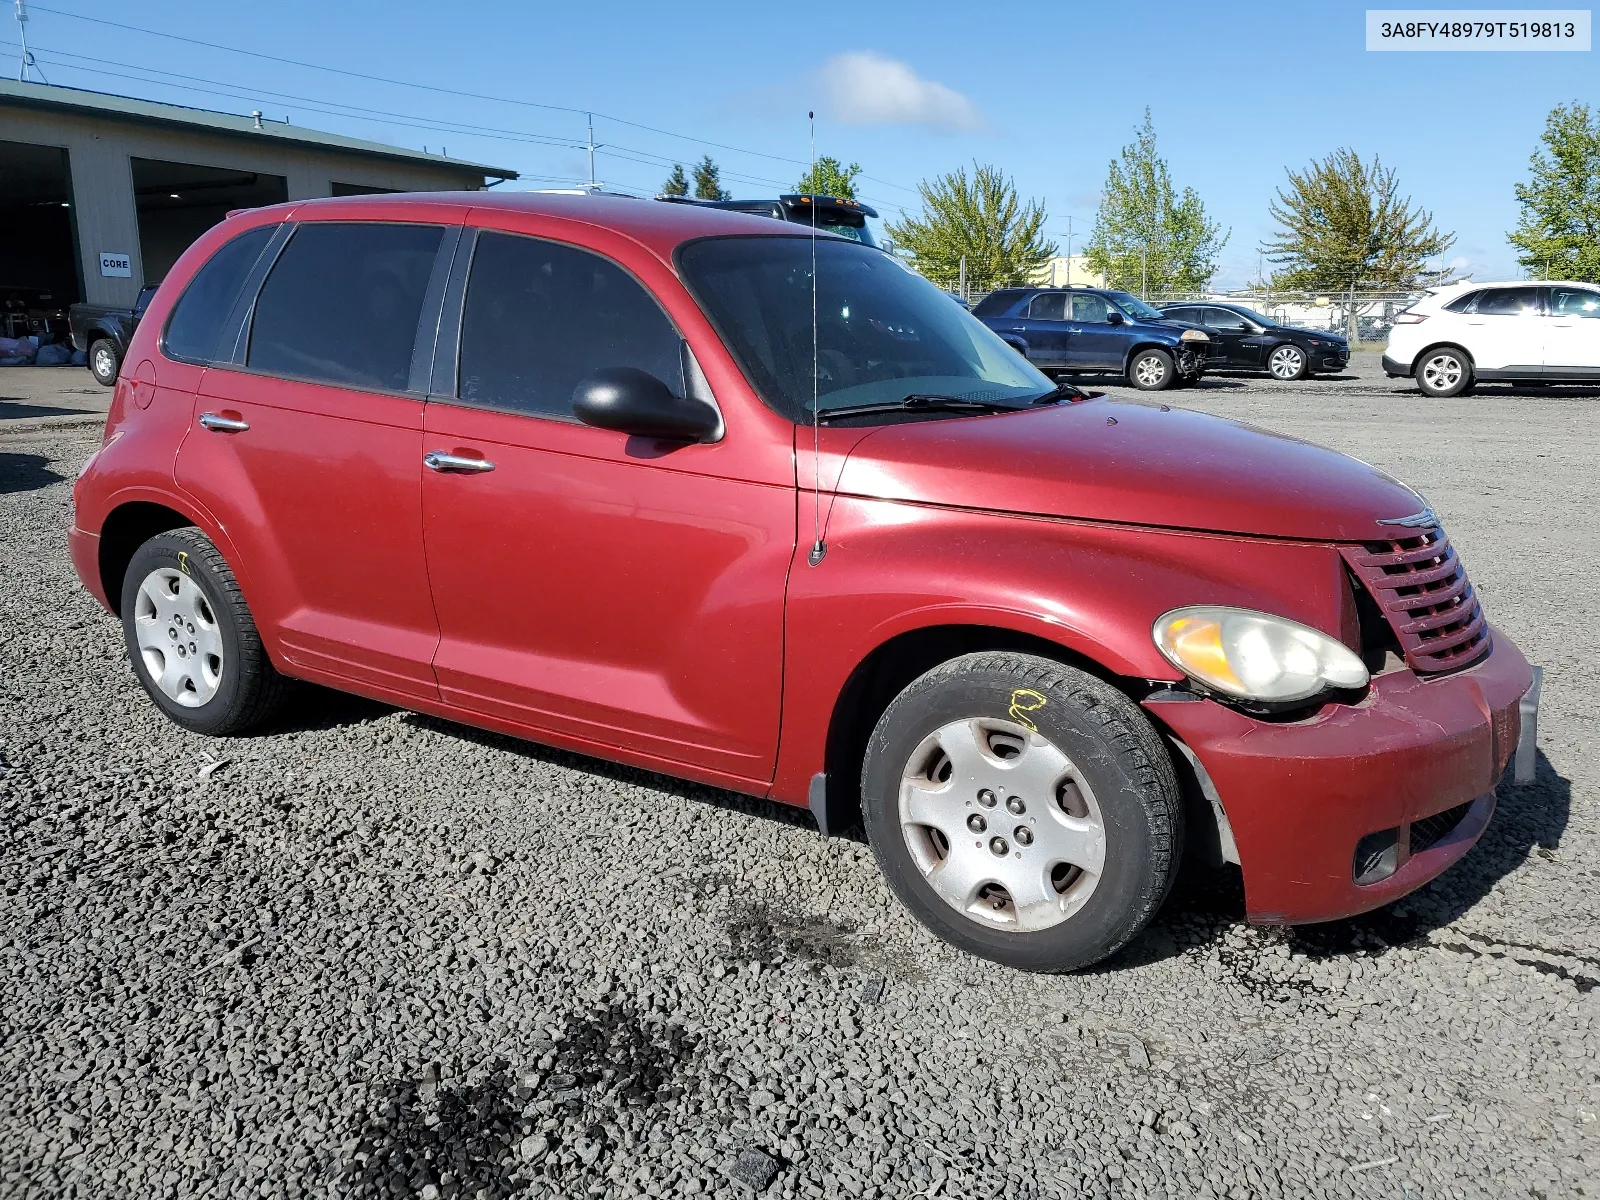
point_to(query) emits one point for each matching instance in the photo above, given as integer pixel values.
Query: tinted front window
(197, 319)
(1221, 318)
(1503, 302)
(342, 302)
(883, 333)
(1088, 307)
(541, 316)
(1574, 302)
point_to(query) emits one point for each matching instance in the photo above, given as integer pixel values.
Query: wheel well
(1426, 350)
(126, 529)
(887, 671)
(1142, 347)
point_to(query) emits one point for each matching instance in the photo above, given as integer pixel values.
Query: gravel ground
(374, 954)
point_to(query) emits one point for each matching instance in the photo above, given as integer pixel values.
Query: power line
(434, 88)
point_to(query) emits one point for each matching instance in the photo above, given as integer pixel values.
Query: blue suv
(1079, 331)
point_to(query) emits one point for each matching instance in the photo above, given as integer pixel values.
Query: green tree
(677, 183)
(980, 219)
(1147, 236)
(708, 181)
(1343, 225)
(1559, 233)
(829, 178)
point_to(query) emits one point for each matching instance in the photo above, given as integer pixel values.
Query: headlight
(1254, 656)
(1193, 335)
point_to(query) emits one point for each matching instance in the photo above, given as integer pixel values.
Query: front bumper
(1191, 364)
(1330, 360)
(1300, 795)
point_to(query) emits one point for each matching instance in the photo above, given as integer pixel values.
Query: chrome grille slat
(1424, 595)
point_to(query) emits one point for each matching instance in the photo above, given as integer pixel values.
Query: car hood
(1130, 463)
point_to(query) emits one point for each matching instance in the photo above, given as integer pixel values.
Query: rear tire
(104, 361)
(1024, 811)
(191, 639)
(1444, 371)
(1151, 370)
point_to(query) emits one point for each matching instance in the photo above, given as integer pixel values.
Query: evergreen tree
(1344, 225)
(677, 183)
(708, 181)
(980, 219)
(1559, 234)
(830, 178)
(1146, 236)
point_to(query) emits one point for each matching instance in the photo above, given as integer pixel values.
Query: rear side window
(197, 319)
(994, 303)
(1049, 306)
(1461, 303)
(1508, 302)
(541, 316)
(342, 302)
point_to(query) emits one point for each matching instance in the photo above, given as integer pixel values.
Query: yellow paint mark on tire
(1023, 702)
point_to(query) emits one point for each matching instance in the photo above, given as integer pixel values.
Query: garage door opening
(39, 273)
(177, 202)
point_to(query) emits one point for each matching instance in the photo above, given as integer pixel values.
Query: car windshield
(1136, 307)
(883, 333)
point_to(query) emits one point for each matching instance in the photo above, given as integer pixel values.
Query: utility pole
(591, 146)
(22, 34)
(1069, 249)
(963, 283)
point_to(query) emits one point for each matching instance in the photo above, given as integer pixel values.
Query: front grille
(1430, 831)
(1422, 591)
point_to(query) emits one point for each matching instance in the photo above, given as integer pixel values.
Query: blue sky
(1048, 92)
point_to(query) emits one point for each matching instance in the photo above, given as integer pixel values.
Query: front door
(1505, 331)
(308, 452)
(1234, 341)
(1096, 343)
(619, 593)
(1572, 333)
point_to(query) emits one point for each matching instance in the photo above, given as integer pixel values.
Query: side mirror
(633, 401)
(1114, 318)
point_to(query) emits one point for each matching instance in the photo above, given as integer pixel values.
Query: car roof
(659, 227)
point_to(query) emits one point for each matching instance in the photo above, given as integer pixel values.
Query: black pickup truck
(102, 333)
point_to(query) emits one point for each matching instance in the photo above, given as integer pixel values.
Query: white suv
(1534, 332)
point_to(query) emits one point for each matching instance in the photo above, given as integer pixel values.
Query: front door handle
(220, 424)
(438, 460)
(1019, 329)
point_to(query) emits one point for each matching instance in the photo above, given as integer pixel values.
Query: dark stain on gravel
(460, 1140)
(641, 1061)
(768, 936)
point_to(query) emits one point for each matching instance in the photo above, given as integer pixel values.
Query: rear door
(615, 592)
(308, 450)
(1047, 329)
(1505, 331)
(1572, 333)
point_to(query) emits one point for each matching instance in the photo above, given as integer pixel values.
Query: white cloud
(864, 88)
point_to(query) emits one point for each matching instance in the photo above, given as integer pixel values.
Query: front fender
(1094, 589)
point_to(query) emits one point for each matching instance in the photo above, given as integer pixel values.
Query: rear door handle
(220, 424)
(438, 460)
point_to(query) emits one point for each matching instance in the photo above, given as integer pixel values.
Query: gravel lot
(374, 954)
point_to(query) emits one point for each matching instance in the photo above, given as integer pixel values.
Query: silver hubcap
(1442, 371)
(179, 640)
(1149, 370)
(1286, 362)
(1001, 824)
(102, 361)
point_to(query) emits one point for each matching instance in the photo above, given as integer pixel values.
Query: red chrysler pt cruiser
(727, 499)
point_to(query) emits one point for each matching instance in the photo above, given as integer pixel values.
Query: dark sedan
(1244, 340)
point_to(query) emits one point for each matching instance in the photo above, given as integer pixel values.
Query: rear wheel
(104, 361)
(1445, 371)
(1287, 363)
(1151, 370)
(191, 639)
(1024, 811)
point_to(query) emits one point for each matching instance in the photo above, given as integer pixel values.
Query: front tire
(191, 639)
(104, 361)
(1151, 371)
(1024, 811)
(1444, 372)
(1287, 363)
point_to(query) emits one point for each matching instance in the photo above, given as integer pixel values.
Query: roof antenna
(819, 548)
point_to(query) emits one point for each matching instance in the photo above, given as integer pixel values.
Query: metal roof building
(99, 194)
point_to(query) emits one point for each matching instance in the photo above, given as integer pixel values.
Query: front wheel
(1444, 372)
(1151, 370)
(1024, 811)
(104, 361)
(191, 638)
(1287, 363)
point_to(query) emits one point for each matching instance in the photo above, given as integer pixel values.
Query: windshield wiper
(1061, 391)
(916, 402)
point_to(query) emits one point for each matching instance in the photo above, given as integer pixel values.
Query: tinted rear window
(1461, 303)
(342, 302)
(197, 319)
(1509, 302)
(994, 303)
